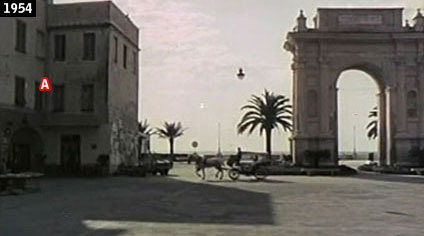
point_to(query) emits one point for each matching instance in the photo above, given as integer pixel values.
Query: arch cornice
(376, 71)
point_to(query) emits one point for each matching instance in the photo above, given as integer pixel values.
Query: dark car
(161, 164)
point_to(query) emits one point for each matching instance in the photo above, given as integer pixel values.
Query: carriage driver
(235, 159)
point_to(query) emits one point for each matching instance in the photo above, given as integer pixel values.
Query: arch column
(313, 132)
(325, 95)
(381, 129)
(299, 111)
(384, 129)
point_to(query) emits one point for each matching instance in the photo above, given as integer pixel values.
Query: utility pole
(354, 136)
(219, 140)
(354, 142)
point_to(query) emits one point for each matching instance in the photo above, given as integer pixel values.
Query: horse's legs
(204, 174)
(219, 171)
(200, 168)
(197, 172)
(222, 172)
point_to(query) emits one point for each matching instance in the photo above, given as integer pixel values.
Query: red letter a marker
(45, 84)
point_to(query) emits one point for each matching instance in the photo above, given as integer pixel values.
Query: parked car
(161, 164)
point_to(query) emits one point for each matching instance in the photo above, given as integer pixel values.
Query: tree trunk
(268, 141)
(171, 148)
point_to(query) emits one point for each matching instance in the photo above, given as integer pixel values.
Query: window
(40, 98)
(135, 62)
(87, 98)
(312, 103)
(115, 49)
(89, 46)
(411, 104)
(20, 91)
(58, 98)
(40, 46)
(59, 47)
(20, 36)
(125, 57)
(38, 103)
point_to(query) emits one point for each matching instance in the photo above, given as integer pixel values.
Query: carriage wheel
(234, 174)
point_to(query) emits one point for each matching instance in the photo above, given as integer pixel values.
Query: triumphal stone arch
(375, 41)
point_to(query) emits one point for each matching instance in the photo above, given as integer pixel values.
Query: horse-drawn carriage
(249, 164)
(253, 164)
(249, 168)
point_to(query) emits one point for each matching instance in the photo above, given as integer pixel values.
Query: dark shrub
(103, 160)
(346, 170)
(367, 167)
(288, 158)
(52, 170)
(417, 155)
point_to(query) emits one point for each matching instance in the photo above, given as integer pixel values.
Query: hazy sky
(191, 50)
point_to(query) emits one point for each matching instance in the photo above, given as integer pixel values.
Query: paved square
(368, 204)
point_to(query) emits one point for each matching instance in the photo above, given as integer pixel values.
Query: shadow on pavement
(270, 181)
(190, 202)
(249, 181)
(64, 205)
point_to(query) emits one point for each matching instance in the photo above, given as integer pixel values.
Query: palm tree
(171, 131)
(372, 131)
(144, 128)
(266, 112)
(145, 131)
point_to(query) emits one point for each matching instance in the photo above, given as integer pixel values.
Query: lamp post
(354, 135)
(219, 140)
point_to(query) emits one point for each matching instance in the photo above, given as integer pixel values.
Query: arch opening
(26, 150)
(359, 120)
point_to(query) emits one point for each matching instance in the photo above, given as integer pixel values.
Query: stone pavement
(182, 204)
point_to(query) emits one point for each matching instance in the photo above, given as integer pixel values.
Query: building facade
(89, 52)
(377, 42)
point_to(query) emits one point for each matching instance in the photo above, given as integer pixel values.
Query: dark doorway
(70, 154)
(26, 146)
(22, 155)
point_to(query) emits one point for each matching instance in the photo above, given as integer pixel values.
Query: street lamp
(240, 74)
(354, 135)
(219, 154)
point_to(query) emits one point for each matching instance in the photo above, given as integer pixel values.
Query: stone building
(89, 52)
(377, 42)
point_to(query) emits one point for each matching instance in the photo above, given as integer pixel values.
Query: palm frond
(372, 126)
(266, 112)
(144, 128)
(171, 130)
